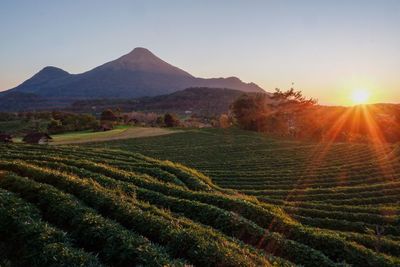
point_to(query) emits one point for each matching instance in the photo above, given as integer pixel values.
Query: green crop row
(116, 246)
(385, 244)
(330, 245)
(356, 218)
(32, 242)
(133, 169)
(229, 223)
(343, 225)
(200, 246)
(326, 191)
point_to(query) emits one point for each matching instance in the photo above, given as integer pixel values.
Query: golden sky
(327, 49)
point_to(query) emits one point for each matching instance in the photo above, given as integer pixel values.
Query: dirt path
(136, 132)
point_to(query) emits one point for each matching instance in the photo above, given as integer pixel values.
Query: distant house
(5, 138)
(37, 138)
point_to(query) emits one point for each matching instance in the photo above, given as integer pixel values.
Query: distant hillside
(16, 101)
(205, 101)
(137, 74)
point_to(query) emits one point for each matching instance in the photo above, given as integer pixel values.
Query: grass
(88, 134)
(82, 136)
(121, 132)
(118, 133)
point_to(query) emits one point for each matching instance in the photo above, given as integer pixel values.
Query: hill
(203, 101)
(136, 74)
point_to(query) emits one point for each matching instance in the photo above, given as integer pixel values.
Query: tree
(251, 111)
(283, 113)
(160, 121)
(224, 121)
(65, 122)
(291, 108)
(291, 99)
(170, 120)
(54, 126)
(108, 115)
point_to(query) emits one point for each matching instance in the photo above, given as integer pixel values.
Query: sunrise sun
(360, 96)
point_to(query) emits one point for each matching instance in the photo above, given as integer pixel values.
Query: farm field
(352, 190)
(119, 133)
(90, 207)
(250, 201)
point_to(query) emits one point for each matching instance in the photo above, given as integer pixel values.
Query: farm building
(5, 138)
(37, 138)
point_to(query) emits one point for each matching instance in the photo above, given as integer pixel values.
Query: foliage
(283, 113)
(67, 122)
(171, 120)
(32, 242)
(51, 122)
(290, 114)
(108, 115)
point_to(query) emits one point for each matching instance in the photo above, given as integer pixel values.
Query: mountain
(137, 74)
(42, 78)
(201, 101)
(19, 101)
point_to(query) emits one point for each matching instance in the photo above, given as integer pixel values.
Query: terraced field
(260, 202)
(349, 190)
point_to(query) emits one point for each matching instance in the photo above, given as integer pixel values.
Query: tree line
(290, 114)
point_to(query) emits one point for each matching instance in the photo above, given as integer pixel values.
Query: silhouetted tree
(170, 120)
(283, 113)
(251, 111)
(108, 115)
(160, 121)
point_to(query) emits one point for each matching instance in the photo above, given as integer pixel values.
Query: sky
(327, 48)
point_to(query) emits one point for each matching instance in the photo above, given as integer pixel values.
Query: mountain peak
(141, 59)
(46, 74)
(51, 70)
(141, 51)
(139, 55)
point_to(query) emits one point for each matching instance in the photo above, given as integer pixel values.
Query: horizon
(328, 50)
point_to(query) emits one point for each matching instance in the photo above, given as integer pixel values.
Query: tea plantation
(351, 191)
(256, 202)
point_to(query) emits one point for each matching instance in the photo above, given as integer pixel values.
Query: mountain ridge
(139, 73)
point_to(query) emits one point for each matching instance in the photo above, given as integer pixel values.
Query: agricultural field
(200, 197)
(349, 190)
(121, 132)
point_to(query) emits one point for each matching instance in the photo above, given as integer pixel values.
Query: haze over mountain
(136, 74)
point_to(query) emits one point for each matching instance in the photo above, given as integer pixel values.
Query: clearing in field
(116, 134)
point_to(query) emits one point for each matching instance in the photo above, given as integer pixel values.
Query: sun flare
(360, 96)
